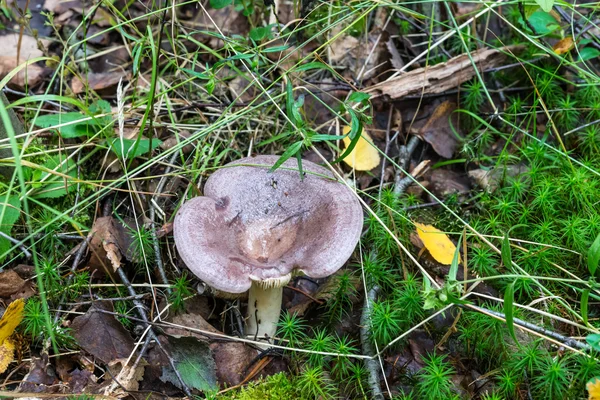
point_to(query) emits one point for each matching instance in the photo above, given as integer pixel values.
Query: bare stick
(142, 312)
(18, 243)
(405, 153)
(370, 363)
(80, 252)
(542, 331)
(155, 243)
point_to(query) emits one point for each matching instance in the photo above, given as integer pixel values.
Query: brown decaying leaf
(564, 45)
(440, 77)
(101, 334)
(41, 377)
(228, 21)
(10, 283)
(232, 360)
(352, 53)
(438, 131)
(108, 244)
(97, 81)
(127, 378)
(32, 74)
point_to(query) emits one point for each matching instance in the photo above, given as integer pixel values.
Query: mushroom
(254, 228)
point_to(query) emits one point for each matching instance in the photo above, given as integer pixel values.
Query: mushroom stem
(264, 307)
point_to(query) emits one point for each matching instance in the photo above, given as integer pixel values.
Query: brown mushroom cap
(253, 225)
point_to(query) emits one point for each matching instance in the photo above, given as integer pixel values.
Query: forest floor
(468, 131)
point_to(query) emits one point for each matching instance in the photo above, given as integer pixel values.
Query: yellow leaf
(7, 355)
(439, 245)
(364, 156)
(564, 45)
(11, 319)
(593, 388)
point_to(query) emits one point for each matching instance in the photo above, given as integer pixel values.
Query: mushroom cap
(254, 225)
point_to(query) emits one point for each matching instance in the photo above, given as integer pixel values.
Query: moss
(276, 387)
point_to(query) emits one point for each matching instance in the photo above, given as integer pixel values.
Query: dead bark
(441, 77)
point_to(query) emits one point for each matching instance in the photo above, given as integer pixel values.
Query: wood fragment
(440, 77)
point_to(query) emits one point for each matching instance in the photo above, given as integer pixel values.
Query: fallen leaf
(593, 388)
(41, 377)
(7, 355)
(10, 283)
(490, 179)
(444, 183)
(32, 74)
(97, 81)
(364, 156)
(361, 57)
(564, 45)
(109, 243)
(229, 22)
(439, 245)
(193, 361)
(101, 334)
(11, 318)
(127, 378)
(439, 129)
(440, 77)
(8, 323)
(61, 6)
(232, 361)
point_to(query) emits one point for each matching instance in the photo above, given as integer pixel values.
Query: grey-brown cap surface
(253, 225)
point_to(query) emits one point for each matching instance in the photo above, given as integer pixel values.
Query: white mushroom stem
(264, 307)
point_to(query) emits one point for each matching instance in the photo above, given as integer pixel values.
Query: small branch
(371, 364)
(142, 312)
(80, 252)
(538, 329)
(155, 242)
(387, 148)
(405, 153)
(18, 243)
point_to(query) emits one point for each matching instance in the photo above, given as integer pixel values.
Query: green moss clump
(277, 386)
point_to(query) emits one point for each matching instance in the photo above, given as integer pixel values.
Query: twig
(371, 363)
(405, 154)
(18, 243)
(80, 252)
(387, 148)
(152, 205)
(142, 312)
(542, 331)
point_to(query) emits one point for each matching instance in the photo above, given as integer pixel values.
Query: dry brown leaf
(32, 74)
(564, 45)
(353, 54)
(101, 334)
(438, 131)
(97, 81)
(10, 283)
(232, 361)
(229, 22)
(61, 6)
(126, 377)
(109, 243)
(440, 77)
